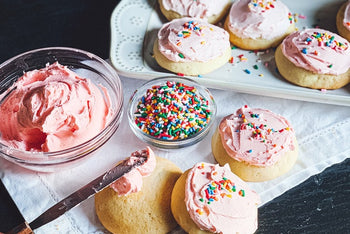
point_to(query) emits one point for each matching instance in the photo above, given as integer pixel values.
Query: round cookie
(145, 211)
(191, 47)
(343, 20)
(258, 144)
(212, 11)
(258, 24)
(208, 198)
(314, 58)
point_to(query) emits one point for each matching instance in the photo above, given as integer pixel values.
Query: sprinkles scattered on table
(242, 58)
(172, 111)
(298, 16)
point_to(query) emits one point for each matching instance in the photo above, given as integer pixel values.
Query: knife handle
(23, 228)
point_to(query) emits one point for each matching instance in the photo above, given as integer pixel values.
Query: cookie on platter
(343, 20)
(191, 46)
(258, 24)
(314, 58)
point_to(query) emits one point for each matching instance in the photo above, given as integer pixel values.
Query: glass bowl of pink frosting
(58, 106)
(171, 112)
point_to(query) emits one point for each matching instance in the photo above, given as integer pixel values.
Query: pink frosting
(219, 201)
(52, 109)
(259, 19)
(346, 20)
(132, 181)
(318, 50)
(199, 8)
(191, 39)
(256, 136)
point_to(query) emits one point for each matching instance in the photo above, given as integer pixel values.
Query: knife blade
(78, 196)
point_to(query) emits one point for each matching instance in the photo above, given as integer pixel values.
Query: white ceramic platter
(134, 25)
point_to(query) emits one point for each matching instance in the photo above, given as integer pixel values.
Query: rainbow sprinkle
(190, 28)
(261, 5)
(290, 18)
(325, 39)
(259, 131)
(216, 190)
(172, 111)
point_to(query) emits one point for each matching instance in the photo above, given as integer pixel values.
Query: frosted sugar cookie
(258, 24)
(212, 11)
(314, 58)
(343, 20)
(258, 144)
(191, 46)
(209, 198)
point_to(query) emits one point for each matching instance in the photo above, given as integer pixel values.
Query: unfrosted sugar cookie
(343, 20)
(212, 11)
(314, 58)
(258, 144)
(258, 24)
(139, 202)
(209, 198)
(191, 46)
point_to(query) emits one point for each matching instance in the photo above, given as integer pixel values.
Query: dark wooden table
(321, 204)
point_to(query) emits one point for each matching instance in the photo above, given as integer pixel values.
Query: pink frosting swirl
(132, 181)
(53, 109)
(259, 19)
(318, 50)
(219, 201)
(256, 136)
(346, 20)
(199, 8)
(191, 39)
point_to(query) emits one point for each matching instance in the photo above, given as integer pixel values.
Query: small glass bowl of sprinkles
(171, 112)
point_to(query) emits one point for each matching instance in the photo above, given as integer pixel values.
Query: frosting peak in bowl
(52, 109)
(219, 201)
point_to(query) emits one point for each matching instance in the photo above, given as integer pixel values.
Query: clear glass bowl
(86, 65)
(166, 138)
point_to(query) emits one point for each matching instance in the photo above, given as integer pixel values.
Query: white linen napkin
(321, 131)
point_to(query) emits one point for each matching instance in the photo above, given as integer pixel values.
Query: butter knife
(77, 197)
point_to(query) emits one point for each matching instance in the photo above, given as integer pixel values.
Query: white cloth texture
(321, 130)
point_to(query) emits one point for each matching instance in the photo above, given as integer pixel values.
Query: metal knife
(77, 197)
